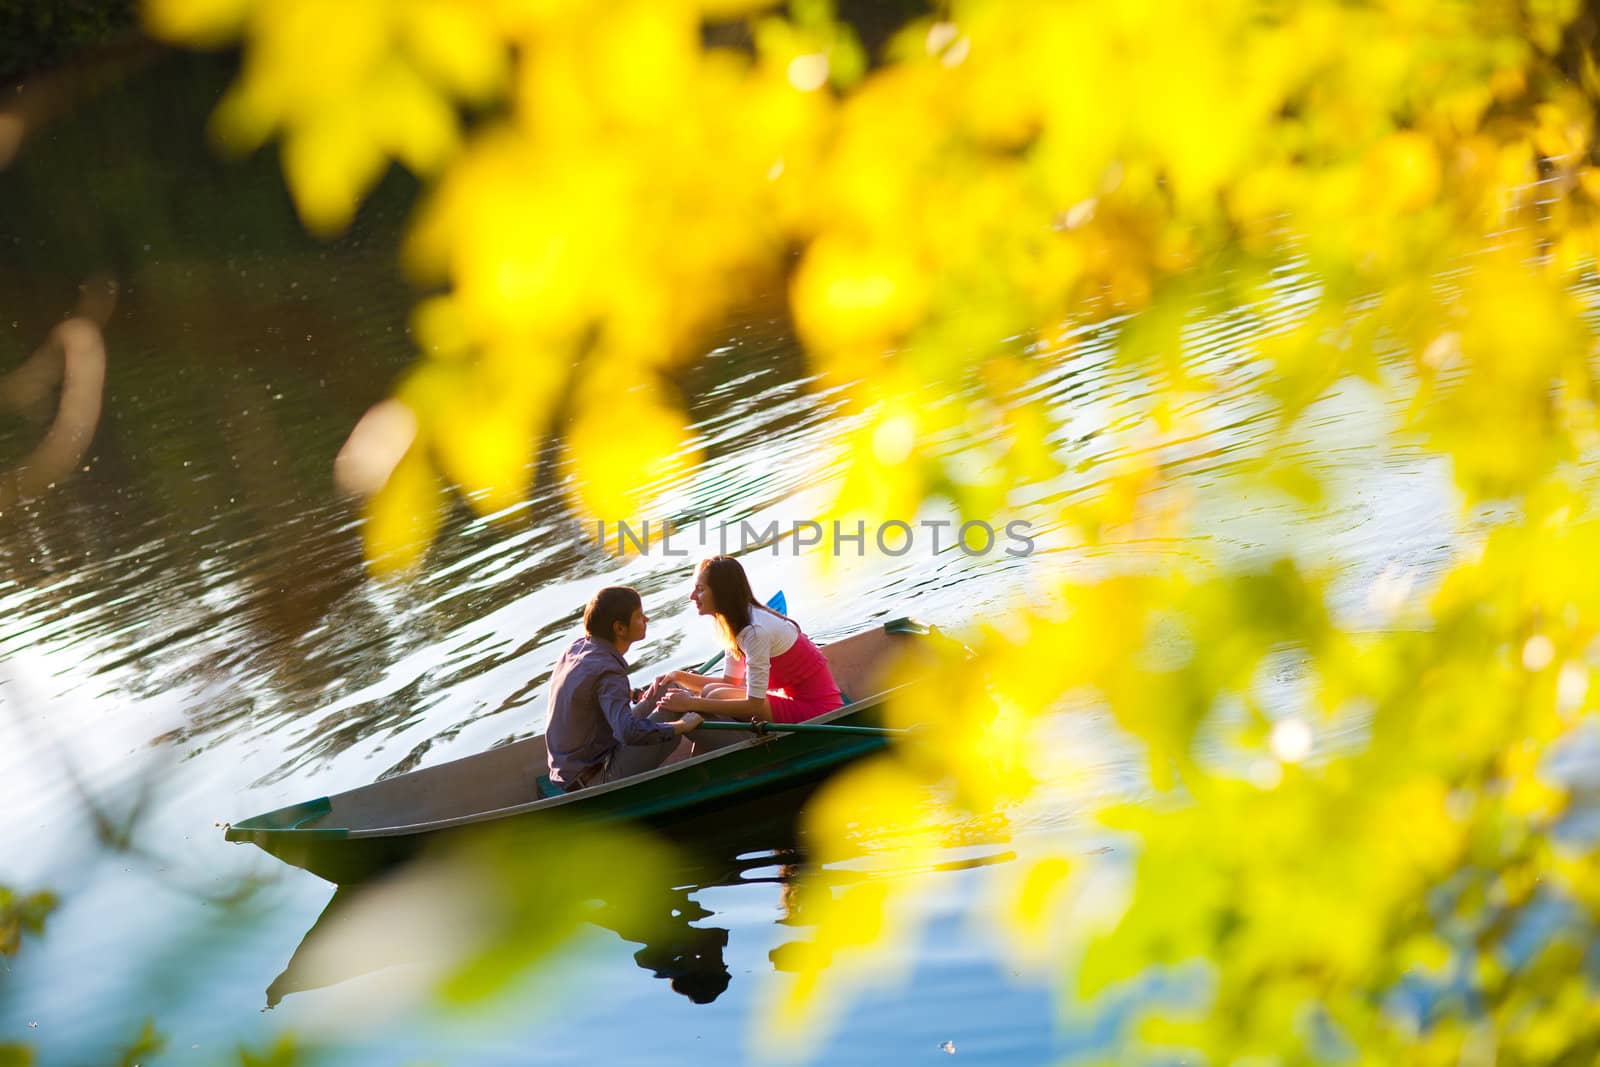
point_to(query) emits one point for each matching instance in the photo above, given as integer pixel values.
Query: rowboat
(352, 836)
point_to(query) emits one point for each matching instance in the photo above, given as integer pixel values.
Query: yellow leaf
(442, 332)
(403, 516)
(849, 294)
(457, 46)
(246, 116)
(1402, 172)
(1589, 181)
(722, 9)
(330, 162)
(491, 419)
(203, 23)
(622, 448)
(410, 119)
(1035, 906)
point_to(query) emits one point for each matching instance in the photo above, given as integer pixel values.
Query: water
(188, 636)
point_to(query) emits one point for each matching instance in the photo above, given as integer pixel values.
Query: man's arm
(612, 693)
(645, 700)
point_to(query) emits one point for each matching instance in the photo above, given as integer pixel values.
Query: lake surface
(188, 637)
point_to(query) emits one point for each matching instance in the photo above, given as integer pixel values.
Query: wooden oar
(778, 603)
(757, 726)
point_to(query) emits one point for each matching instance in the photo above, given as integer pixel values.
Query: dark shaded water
(187, 635)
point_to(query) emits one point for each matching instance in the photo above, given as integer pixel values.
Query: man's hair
(614, 603)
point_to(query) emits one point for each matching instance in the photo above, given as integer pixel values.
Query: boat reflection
(355, 934)
(360, 932)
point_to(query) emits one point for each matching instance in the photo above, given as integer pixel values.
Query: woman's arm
(746, 699)
(692, 681)
(748, 707)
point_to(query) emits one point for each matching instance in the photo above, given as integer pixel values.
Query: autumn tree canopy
(946, 215)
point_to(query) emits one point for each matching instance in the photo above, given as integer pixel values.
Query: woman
(775, 674)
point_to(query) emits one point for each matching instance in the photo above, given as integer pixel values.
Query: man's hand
(644, 700)
(691, 721)
(676, 700)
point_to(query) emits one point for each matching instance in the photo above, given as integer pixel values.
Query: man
(596, 733)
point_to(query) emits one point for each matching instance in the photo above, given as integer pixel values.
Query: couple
(600, 731)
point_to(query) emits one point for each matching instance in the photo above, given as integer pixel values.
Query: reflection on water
(680, 940)
(689, 957)
(72, 360)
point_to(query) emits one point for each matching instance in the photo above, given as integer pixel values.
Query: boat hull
(691, 800)
(353, 836)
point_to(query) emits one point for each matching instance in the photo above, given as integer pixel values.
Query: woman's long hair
(732, 599)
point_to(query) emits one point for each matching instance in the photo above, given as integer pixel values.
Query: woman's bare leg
(732, 692)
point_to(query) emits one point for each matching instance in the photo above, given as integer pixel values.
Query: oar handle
(759, 727)
(709, 665)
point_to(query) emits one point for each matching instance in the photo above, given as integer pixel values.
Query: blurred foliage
(147, 1045)
(22, 915)
(603, 184)
(282, 1052)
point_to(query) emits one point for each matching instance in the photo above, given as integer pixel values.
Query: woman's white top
(767, 636)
